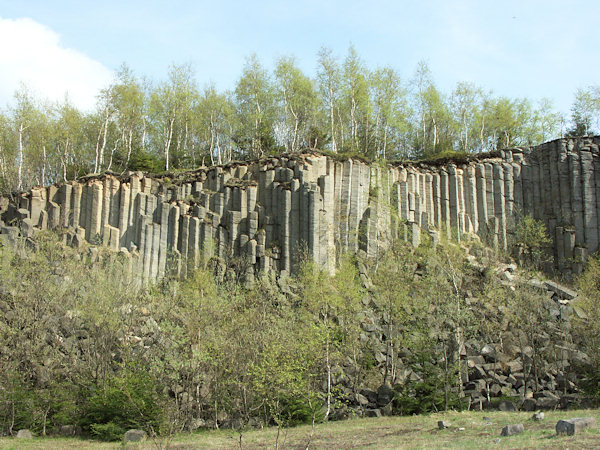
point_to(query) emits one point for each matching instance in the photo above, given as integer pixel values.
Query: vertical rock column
(590, 213)
(481, 187)
(124, 200)
(576, 193)
(499, 202)
(66, 192)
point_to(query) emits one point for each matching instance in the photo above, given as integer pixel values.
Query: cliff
(259, 215)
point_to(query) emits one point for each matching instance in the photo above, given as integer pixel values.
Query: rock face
(256, 215)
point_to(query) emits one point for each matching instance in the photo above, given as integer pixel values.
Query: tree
(356, 102)
(585, 111)
(214, 120)
(328, 74)
(71, 145)
(297, 94)
(390, 110)
(129, 101)
(254, 94)
(434, 131)
(170, 110)
(465, 102)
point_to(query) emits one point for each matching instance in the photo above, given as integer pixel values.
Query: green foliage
(587, 326)
(128, 399)
(109, 431)
(347, 108)
(446, 157)
(532, 237)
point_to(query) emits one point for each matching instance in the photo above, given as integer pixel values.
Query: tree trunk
(168, 142)
(332, 120)
(20, 159)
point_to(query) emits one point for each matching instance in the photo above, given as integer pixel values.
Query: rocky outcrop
(256, 216)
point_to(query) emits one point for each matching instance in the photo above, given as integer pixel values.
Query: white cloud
(31, 53)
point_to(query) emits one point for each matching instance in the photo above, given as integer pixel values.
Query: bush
(128, 400)
(532, 237)
(107, 431)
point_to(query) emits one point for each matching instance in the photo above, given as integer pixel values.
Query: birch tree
(254, 94)
(328, 74)
(298, 97)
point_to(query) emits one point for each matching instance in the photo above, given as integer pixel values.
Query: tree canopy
(346, 108)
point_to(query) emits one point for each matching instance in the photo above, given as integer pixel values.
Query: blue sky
(516, 48)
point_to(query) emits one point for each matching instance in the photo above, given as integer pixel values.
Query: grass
(481, 430)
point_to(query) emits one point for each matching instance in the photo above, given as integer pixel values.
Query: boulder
(488, 352)
(506, 405)
(529, 404)
(372, 413)
(362, 400)
(24, 434)
(563, 292)
(443, 424)
(510, 430)
(370, 395)
(538, 416)
(385, 394)
(574, 425)
(135, 436)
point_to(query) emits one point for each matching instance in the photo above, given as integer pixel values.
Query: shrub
(128, 400)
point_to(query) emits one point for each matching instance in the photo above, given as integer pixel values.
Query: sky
(524, 48)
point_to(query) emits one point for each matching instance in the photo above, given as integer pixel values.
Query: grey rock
(529, 404)
(443, 424)
(510, 430)
(488, 352)
(507, 406)
(538, 416)
(574, 425)
(135, 436)
(561, 291)
(24, 434)
(547, 402)
(370, 395)
(385, 394)
(362, 400)
(372, 413)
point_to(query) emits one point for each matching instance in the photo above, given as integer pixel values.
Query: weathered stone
(372, 413)
(506, 405)
(529, 404)
(385, 394)
(574, 425)
(538, 416)
(24, 434)
(510, 430)
(332, 207)
(563, 292)
(134, 436)
(443, 424)
(370, 395)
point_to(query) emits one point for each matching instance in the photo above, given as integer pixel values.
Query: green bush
(128, 400)
(298, 411)
(107, 431)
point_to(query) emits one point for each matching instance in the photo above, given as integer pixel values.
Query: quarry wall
(260, 215)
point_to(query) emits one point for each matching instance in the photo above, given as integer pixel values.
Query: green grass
(481, 430)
